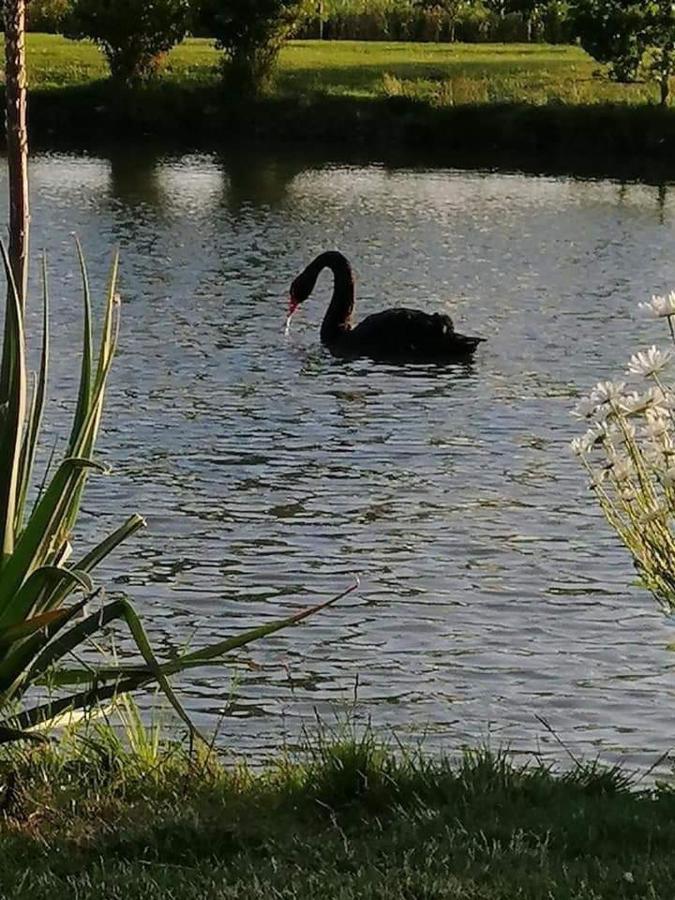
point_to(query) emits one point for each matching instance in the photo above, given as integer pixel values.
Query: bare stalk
(17, 140)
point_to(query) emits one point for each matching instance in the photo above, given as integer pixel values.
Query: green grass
(524, 106)
(93, 820)
(437, 73)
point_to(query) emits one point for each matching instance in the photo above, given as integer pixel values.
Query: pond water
(492, 593)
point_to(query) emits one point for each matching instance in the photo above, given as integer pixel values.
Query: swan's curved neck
(338, 319)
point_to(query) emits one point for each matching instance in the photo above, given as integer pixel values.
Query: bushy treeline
(372, 20)
(440, 20)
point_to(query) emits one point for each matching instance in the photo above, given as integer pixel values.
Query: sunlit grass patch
(438, 73)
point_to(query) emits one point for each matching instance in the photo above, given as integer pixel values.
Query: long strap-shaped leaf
(43, 714)
(84, 394)
(41, 531)
(84, 436)
(12, 735)
(29, 627)
(118, 609)
(30, 443)
(13, 398)
(29, 597)
(15, 673)
(95, 556)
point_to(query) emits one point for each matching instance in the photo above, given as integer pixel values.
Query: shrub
(46, 15)
(133, 34)
(251, 33)
(627, 34)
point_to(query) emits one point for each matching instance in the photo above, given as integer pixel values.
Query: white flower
(578, 446)
(635, 404)
(657, 427)
(660, 307)
(614, 435)
(663, 398)
(594, 437)
(607, 391)
(649, 362)
(585, 408)
(622, 469)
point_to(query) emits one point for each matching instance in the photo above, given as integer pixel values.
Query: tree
(251, 33)
(133, 34)
(628, 35)
(442, 13)
(46, 15)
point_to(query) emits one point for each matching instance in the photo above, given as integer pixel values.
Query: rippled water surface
(491, 590)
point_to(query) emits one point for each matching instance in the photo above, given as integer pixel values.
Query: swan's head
(300, 290)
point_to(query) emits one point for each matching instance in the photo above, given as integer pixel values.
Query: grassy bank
(525, 105)
(440, 73)
(351, 821)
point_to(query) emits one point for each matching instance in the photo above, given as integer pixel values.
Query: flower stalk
(628, 451)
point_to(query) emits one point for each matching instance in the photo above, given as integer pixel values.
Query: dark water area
(492, 593)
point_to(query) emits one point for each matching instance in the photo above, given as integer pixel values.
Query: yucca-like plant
(44, 587)
(629, 453)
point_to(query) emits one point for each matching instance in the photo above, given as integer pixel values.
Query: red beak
(292, 306)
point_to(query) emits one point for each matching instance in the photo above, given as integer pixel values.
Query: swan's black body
(397, 335)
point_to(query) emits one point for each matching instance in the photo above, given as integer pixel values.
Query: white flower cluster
(629, 453)
(660, 307)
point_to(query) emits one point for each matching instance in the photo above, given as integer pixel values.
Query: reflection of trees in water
(263, 177)
(660, 194)
(661, 199)
(134, 177)
(259, 178)
(250, 176)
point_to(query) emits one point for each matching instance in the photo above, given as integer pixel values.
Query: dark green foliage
(628, 35)
(440, 20)
(612, 31)
(251, 33)
(133, 34)
(46, 15)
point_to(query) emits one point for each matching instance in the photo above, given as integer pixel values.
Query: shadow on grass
(635, 141)
(350, 820)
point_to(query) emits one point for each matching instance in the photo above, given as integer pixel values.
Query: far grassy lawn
(443, 74)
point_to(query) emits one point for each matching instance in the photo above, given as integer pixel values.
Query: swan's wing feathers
(406, 323)
(402, 332)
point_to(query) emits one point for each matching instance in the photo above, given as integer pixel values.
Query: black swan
(395, 335)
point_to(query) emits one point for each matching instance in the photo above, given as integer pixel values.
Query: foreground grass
(93, 820)
(445, 74)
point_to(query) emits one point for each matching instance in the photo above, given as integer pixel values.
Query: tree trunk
(665, 88)
(17, 140)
